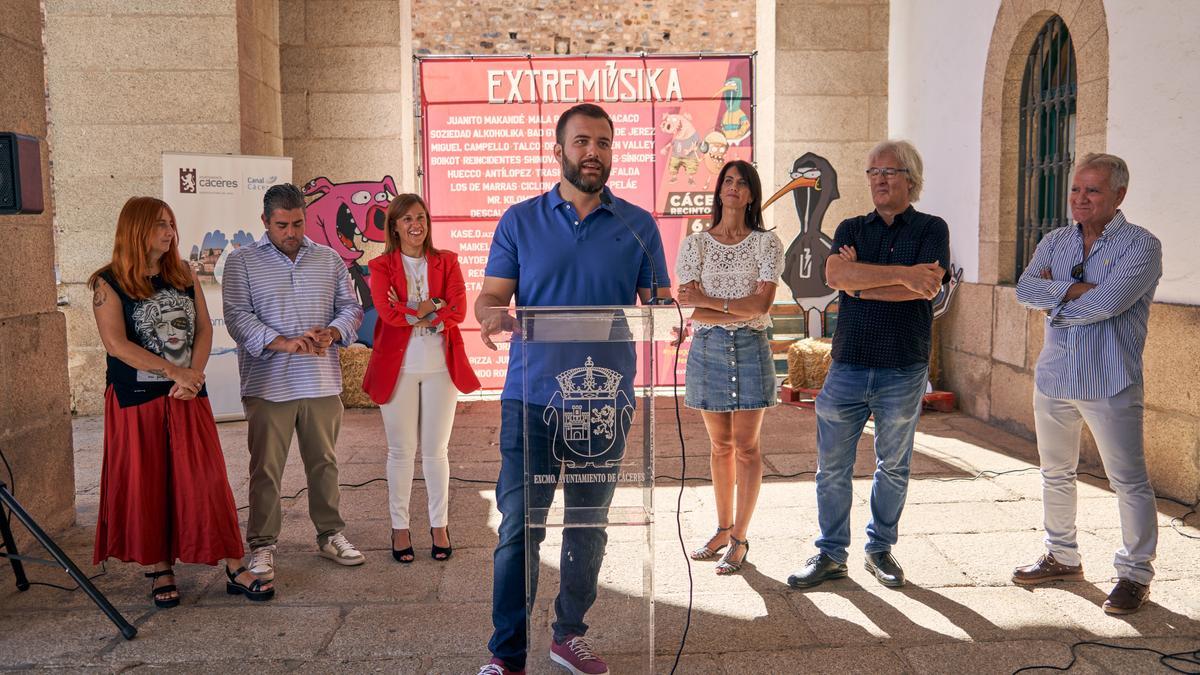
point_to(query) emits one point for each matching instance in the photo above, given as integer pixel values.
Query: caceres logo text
(190, 182)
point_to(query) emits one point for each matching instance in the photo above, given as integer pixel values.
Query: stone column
(35, 416)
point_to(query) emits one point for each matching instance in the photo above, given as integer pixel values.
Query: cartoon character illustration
(346, 214)
(735, 123)
(814, 188)
(713, 148)
(589, 410)
(684, 147)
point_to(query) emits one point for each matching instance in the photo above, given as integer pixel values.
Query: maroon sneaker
(575, 653)
(497, 667)
(1046, 569)
(1126, 597)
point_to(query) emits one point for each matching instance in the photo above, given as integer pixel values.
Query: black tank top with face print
(164, 325)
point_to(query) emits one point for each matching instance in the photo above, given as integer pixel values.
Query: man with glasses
(1095, 281)
(889, 265)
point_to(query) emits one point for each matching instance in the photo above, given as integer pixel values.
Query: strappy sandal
(169, 588)
(706, 553)
(441, 553)
(402, 555)
(727, 566)
(254, 591)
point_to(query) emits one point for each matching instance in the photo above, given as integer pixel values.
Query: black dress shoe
(817, 569)
(885, 568)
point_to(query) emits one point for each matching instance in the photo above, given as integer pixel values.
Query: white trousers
(420, 413)
(1116, 424)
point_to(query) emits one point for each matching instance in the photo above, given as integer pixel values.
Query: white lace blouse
(731, 272)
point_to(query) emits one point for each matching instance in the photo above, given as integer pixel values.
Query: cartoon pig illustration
(684, 147)
(346, 214)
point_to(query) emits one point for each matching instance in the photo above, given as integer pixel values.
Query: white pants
(421, 412)
(1116, 424)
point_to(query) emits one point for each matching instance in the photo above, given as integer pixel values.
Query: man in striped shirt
(1095, 281)
(289, 305)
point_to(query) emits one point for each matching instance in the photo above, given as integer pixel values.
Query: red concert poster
(488, 137)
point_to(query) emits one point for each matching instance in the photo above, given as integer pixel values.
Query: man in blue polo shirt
(572, 246)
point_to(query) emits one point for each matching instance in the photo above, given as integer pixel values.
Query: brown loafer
(1046, 569)
(1126, 597)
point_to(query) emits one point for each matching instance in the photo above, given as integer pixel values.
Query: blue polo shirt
(559, 260)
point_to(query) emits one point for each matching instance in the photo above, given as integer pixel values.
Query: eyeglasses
(1077, 272)
(887, 172)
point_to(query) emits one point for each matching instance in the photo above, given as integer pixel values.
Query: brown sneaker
(1126, 597)
(1046, 569)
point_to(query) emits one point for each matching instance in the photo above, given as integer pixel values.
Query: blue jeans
(851, 394)
(582, 547)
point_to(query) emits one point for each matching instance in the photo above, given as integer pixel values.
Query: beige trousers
(316, 422)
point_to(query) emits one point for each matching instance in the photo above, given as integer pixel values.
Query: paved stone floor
(959, 614)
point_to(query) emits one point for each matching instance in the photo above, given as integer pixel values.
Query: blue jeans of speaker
(582, 547)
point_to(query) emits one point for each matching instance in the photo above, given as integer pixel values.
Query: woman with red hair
(164, 495)
(418, 366)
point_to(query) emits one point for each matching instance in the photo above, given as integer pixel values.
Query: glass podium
(588, 386)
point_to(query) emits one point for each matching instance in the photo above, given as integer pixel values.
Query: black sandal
(441, 552)
(169, 588)
(404, 555)
(254, 591)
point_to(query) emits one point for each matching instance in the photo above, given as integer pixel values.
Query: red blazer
(392, 330)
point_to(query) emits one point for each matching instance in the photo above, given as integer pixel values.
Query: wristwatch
(725, 306)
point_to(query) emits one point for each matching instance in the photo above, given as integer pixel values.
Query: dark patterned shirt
(882, 334)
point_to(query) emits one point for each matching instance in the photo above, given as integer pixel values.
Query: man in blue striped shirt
(1095, 280)
(289, 305)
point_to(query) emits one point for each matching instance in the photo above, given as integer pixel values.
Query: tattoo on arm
(99, 297)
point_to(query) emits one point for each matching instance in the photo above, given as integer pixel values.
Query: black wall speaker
(20, 174)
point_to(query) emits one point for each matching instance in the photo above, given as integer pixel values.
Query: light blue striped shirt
(266, 295)
(1093, 346)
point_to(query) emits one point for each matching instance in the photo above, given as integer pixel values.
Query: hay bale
(354, 366)
(808, 362)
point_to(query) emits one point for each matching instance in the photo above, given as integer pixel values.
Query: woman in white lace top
(729, 274)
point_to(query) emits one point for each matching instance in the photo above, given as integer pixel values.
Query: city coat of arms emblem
(589, 414)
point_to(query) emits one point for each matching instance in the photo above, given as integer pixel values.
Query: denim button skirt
(730, 370)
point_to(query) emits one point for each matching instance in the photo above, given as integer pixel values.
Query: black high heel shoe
(441, 552)
(406, 555)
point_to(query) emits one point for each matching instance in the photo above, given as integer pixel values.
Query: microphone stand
(606, 199)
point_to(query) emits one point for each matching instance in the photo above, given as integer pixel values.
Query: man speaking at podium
(576, 245)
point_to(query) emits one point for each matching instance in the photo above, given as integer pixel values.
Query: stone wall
(831, 98)
(505, 27)
(35, 416)
(258, 77)
(341, 73)
(127, 81)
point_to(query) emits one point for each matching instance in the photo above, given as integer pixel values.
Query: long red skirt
(164, 495)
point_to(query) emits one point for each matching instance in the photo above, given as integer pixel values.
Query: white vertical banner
(217, 200)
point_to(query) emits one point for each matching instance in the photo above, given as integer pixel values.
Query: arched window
(1047, 140)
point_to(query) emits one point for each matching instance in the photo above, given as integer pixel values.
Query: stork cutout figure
(814, 187)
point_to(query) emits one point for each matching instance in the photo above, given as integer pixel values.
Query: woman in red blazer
(418, 366)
